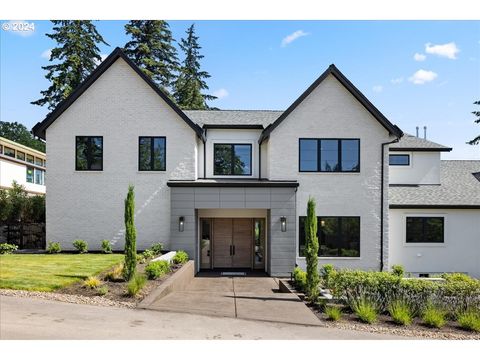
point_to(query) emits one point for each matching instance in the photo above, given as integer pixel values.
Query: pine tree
(476, 140)
(191, 81)
(152, 50)
(130, 236)
(311, 240)
(77, 54)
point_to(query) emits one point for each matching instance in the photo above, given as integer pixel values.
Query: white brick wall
(330, 111)
(119, 106)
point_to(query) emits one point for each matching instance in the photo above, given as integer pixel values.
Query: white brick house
(229, 187)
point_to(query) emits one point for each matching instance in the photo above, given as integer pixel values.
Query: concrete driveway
(29, 318)
(254, 298)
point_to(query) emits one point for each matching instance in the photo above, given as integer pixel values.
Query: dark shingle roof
(413, 143)
(233, 117)
(459, 187)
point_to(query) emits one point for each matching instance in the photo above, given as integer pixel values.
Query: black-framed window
(399, 159)
(425, 229)
(152, 152)
(89, 153)
(329, 155)
(232, 159)
(337, 236)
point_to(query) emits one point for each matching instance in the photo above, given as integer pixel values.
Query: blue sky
(416, 72)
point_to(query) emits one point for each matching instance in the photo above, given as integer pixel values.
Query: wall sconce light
(181, 223)
(283, 223)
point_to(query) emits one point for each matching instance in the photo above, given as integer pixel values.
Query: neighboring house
(229, 187)
(22, 164)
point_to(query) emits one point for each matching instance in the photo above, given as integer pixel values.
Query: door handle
(231, 253)
(233, 250)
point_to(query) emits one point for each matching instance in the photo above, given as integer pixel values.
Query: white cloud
(377, 88)
(449, 50)
(19, 27)
(293, 36)
(46, 54)
(419, 57)
(221, 93)
(397, 81)
(423, 76)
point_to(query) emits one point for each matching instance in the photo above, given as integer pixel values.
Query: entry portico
(235, 223)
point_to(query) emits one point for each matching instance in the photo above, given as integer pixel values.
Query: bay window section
(337, 236)
(329, 155)
(232, 159)
(89, 153)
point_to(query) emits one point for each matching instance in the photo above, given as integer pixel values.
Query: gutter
(382, 200)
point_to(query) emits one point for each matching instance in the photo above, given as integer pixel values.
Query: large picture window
(89, 153)
(337, 236)
(329, 155)
(425, 229)
(151, 153)
(232, 159)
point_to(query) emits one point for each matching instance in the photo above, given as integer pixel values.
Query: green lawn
(51, 272)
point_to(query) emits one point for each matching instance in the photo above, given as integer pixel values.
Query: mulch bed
(385, 325)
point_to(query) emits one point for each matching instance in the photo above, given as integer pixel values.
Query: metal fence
(24, 235)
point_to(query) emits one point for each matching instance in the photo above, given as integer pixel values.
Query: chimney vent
(417, 131)
(425, 132)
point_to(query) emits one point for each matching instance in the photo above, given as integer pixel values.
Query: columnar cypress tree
(130, 236)
(77, 53)
(151, 48)
(191, 81)
(311, 241)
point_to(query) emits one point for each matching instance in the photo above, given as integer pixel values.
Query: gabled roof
(233, 118)
(459, 188)
(413, 143)
(39, 128)
(332, 70)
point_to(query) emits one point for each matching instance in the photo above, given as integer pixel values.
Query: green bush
(470, 320)
(106, 246)
(181, 257)
(92, 282)
(326, 273)
(54, 248)
(130, 262)
(81, 246)
(401, 312)
(300, 278)
(334, 313)
(434, 316)
(148, 254)
(102, 290)
(7, 248)
(311, 252)
(365, 309)
(398, 270)
(136, 284)
(156, 269)
(156, 249)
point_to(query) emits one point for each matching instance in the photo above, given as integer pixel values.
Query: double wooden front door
(233, 242)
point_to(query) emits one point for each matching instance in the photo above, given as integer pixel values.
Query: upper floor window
(151, 153)
(425, 229)
(9, 152)
(232, 159)
(20, 155)
(30, 159)
(337, 236)
(89, 153)
(1, 149)
(399, 160)
(38, 161)
(30, 172)
(329, 155)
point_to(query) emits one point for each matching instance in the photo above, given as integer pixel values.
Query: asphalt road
(28, 318)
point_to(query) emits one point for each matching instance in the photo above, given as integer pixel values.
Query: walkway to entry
(255, 298)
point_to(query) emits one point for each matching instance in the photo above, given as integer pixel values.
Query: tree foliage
(191, 80)
(75, 57)
(476, 140)
(130, 236)
(311, 249)
(152, 50)
(19, 133)
(17, 206)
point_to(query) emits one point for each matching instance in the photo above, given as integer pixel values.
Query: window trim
(151, 151)
(330, 257)
(319, 158)
(407, 155)
(424, 244)
(232, 145)
(76, 153)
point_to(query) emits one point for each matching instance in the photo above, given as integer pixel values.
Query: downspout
(205, 155)
(260, 161)
(382, 200)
